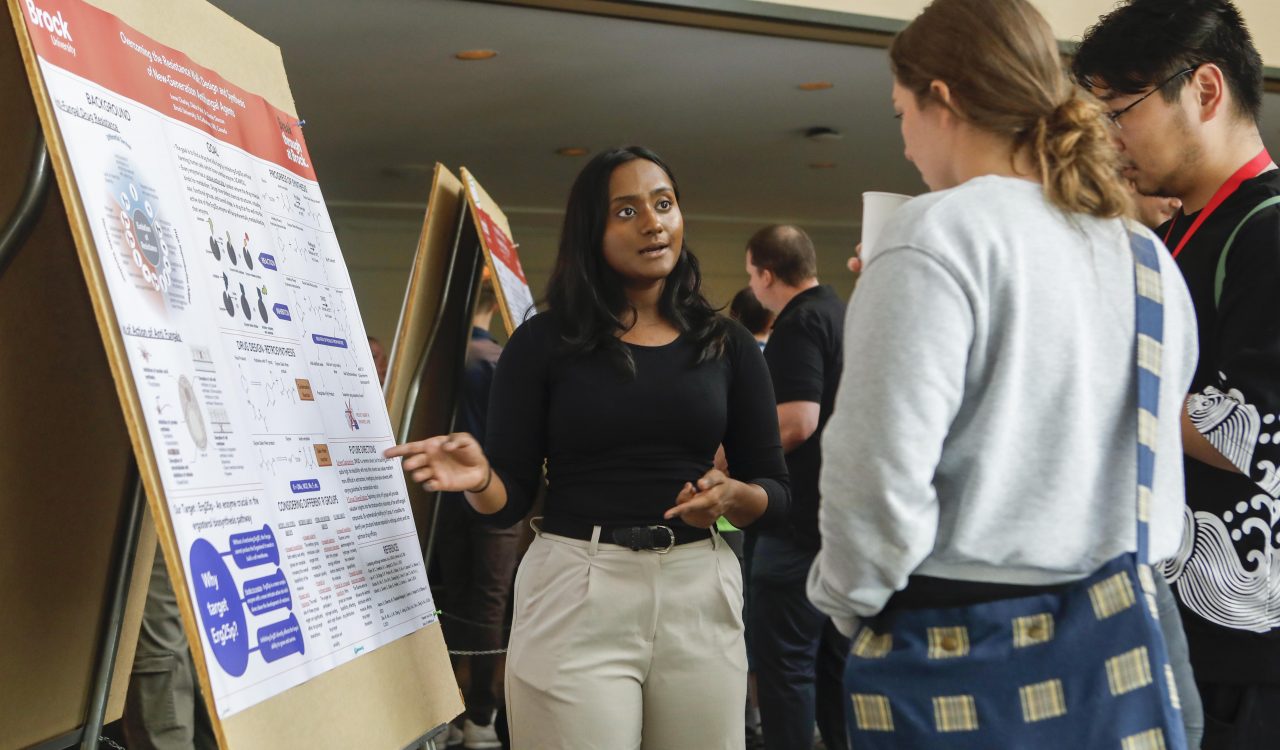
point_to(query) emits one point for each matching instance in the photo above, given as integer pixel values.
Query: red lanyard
(1256, 166)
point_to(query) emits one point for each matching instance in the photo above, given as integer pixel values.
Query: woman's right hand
(445, 463)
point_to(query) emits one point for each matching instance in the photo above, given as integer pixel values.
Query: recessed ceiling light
(572, 151)
(816, 86)
(823, 134)
(476, 54)
(822, 165)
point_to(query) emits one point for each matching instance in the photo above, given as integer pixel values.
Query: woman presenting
(628, 629)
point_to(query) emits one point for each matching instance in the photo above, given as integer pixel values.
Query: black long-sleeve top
(618, 448)
(1224, 577)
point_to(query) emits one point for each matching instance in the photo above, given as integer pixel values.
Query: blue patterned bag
(1081, 668)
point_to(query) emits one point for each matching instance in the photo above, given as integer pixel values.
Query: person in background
(753, 316)
(747, 310)
(1183, 83)
(627, 630)
(982, 456)
(164, 708)
(379, 353)
(1155, 210)
(477, 560)
(797, 652)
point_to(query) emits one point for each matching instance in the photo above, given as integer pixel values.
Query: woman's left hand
(701, 503)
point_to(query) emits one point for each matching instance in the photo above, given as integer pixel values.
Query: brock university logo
(42, 19)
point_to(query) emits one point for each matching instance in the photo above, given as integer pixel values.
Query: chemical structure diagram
(272, 399)
(335, 344)
(287, 460)
(295, 202)
(300, 252)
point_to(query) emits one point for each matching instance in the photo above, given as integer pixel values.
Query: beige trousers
(619, 650)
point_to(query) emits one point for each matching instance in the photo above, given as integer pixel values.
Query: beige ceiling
(384, 98)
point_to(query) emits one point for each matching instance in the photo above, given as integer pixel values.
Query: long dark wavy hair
(587, 296)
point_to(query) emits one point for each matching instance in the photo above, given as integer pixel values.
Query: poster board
(158, 117)
(515, 299)
(424, 297)
(55, 576)
(428, 355)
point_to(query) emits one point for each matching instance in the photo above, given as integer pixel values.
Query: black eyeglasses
(1114, 117)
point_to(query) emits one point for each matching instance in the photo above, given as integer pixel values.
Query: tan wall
(378, 243)
(1069, 18)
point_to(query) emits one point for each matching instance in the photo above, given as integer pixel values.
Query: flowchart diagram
(223, 603)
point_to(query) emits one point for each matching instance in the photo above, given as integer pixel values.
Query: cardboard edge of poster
(424, 291)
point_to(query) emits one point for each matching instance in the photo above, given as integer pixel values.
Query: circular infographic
(146, 244)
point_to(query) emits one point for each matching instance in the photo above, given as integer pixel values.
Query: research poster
(501, 255)
(248, 354)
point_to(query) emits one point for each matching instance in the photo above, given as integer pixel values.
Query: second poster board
(428, 356)
(425, 295)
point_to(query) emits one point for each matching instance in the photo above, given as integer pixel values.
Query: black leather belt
(652, 537)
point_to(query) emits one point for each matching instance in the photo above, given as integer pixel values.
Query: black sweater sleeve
(1237, 412)
(516, 428)
(752, 444)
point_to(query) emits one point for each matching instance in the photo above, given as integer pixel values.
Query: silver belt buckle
(671, 537)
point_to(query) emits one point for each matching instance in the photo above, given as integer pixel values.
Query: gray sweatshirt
(985, 427)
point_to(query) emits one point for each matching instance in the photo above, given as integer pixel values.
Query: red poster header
(499, 244)
(99, 47)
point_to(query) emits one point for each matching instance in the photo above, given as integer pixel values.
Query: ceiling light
(822, 165)
(816, 86)
(823, 134)
(572, 151)
(476, 54)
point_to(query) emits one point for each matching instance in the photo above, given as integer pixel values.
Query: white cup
(877, 207)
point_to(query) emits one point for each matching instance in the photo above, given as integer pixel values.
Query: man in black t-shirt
(797, 653)
(1183, 82)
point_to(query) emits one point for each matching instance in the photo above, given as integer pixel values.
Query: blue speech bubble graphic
(267, 261)
(218, 605)
(281, 311)
(279, 639)
(268, 593)
(255, 548)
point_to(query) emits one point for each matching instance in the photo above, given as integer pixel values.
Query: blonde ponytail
(1001, 63)
(1077, 158)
